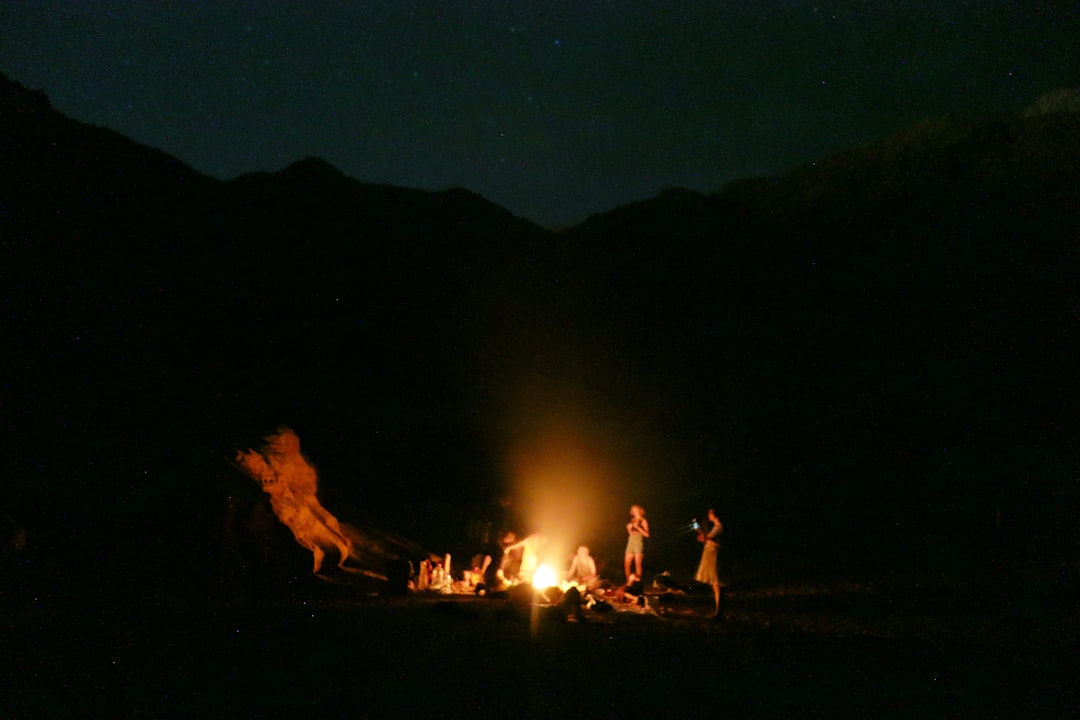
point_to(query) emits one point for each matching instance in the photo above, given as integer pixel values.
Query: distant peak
(312, 167)
(15, 92)
(1062, 100)
(460, 193)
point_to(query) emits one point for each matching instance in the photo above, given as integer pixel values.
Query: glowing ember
(544, 577)
(291, 482)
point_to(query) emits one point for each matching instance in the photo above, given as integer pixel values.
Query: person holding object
(637, 530)
(707, 571)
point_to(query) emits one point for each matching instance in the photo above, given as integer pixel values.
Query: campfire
(291, 483)
(544, 577)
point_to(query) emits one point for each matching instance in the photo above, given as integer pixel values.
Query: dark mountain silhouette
(885, 337)
(868, 358)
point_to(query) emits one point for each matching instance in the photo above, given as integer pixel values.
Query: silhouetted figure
(632, 592)
(550, 604)
(570, 604)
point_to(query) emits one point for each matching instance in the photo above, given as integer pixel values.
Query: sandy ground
(782, 651)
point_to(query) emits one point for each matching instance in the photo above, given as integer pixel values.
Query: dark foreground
(790, 651)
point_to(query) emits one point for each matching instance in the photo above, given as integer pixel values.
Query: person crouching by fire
(528, 552)
(493, 563)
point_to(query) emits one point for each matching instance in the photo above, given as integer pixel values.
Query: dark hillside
(870, 359)
(156, 319)
(875, 349)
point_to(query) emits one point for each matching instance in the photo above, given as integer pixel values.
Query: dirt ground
(786, 650)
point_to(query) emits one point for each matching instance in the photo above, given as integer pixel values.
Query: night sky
(554, 110)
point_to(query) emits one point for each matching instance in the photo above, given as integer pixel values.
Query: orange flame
(291, 482)
(544, 577)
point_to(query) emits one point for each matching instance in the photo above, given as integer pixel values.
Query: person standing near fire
(637, 530)
(707, 571)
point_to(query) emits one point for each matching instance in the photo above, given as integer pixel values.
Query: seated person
(583, 570)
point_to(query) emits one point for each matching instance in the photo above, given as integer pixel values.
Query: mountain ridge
(899, 317)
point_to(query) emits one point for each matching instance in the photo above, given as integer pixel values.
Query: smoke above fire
(292, 484)
(576, 423)
(572, 484)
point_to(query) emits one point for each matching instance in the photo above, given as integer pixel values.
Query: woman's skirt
(707, 571)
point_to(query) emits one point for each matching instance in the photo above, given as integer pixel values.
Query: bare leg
(628, 564)
(638, 559)
(718, 593)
